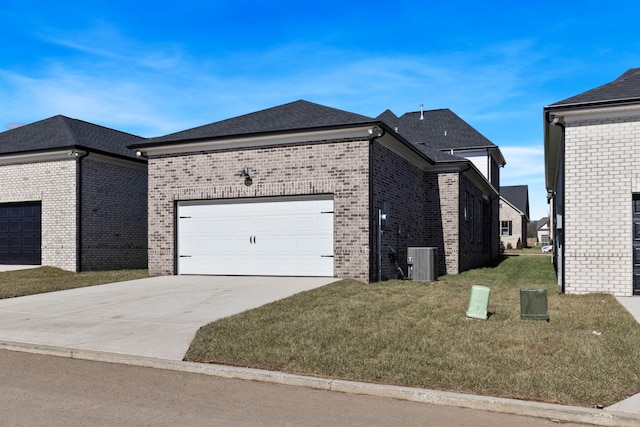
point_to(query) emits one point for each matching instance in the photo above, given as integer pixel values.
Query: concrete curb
(552, 412)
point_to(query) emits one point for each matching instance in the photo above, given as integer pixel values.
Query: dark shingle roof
(518, 196)
(542, 222)
(440, 129)
(625, 87)
(296, 115)
(60, 132)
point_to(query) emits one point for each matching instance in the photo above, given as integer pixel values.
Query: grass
(416, 334)
(48, 279)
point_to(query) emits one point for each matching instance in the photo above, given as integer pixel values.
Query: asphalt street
(55, 391)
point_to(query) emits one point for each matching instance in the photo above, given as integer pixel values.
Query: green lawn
(417, 334)
(49, 279)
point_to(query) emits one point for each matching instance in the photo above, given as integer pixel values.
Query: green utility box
(533, 304)
(479, 302)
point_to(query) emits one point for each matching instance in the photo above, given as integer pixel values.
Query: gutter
(42, 154)
(590, 104)
(160, 141)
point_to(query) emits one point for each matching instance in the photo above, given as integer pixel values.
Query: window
(506, 228)
(468, 206)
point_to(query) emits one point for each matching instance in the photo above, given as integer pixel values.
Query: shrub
(519, 244)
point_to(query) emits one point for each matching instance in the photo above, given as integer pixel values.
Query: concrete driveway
(153, 317)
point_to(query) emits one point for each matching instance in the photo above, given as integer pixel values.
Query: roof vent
(421, 112)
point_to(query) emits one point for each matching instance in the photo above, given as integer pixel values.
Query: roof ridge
(67, 128)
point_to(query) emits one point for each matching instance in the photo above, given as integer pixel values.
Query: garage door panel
(257, 237)
(20, 233)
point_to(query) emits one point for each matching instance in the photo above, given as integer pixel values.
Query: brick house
(514, 214)
(592, 159)
(72, 196)
(304, 189)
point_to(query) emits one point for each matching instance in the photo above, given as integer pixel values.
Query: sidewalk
(632, 404)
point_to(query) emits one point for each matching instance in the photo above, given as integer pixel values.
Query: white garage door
(275, 237)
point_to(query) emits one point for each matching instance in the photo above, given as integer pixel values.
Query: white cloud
(523, 161)
(525, 166)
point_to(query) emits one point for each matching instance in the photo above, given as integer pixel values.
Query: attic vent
(421, 111)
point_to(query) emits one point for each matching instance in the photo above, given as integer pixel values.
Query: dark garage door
(20, 233)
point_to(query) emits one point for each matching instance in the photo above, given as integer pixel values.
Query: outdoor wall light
(244, 173)
(375, 132)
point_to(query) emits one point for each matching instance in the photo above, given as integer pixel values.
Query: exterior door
(636, 244)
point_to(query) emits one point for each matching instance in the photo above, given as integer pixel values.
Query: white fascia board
(254, 141)
(598, 113)
(49, 156)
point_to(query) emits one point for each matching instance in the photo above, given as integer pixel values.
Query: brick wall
(602, 160)
(474, 234)
(427, 209)
(508, 213)
(114, 214)
(400, 186)
(54, 185)
(340, 168)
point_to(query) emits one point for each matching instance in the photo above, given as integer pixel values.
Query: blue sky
(151, 68)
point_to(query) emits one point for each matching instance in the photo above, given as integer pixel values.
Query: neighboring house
(72, 196)
(514, 215)
(303, 189)
(592, 164)
(544, 235)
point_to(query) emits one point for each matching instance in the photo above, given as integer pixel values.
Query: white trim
(600, 113)
(49, 156)
(253, 141)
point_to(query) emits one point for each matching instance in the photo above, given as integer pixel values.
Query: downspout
(375, 132)
(461, 219)
(79, 156)
(558, 241)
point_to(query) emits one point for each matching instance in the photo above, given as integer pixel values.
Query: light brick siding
(340, 168)
(53, 184)
(114, 214)
(602, 164)
(508, 213)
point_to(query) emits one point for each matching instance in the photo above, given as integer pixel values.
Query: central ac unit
(423, 264)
